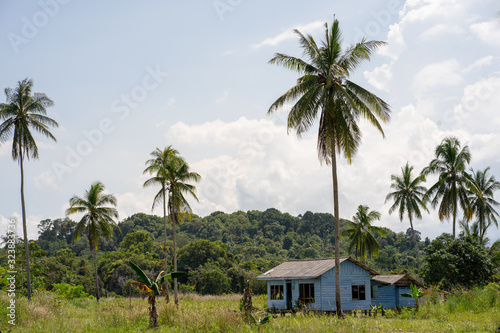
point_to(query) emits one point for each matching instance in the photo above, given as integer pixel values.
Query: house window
(374, 291)
(358, 293)
(306, 292)
(277, 291)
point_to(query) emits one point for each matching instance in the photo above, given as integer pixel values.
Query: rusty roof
(396, 279)
(306, 269)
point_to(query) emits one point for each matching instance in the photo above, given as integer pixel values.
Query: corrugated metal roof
(401, 279)
(306, 269)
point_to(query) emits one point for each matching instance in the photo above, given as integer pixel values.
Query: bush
(69, 291)
(456, 263)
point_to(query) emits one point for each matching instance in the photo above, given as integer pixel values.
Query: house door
(289, 304)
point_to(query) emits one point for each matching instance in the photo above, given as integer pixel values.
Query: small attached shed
(312, 283)
(387, 290)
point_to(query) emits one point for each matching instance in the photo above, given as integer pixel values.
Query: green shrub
(69, 291)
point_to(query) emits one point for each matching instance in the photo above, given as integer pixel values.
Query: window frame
(307, 293)
(374, 292)
(278, 294)
(358, 291)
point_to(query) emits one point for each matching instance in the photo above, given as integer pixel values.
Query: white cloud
(440, 30)
(484, 61)
(223, 98)
(446, 73)
(421, 10)
(247, 164)
(170, 103)
(395, 42)
(289, 34)
(380, 76)
(47, 179)
(488, 32)
(477, 110)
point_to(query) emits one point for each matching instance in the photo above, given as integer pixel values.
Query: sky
(127, 77)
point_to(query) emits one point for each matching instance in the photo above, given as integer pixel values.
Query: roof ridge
(317, 259)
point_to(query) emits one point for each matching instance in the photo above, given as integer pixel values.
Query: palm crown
(450, 164)
(22, 112)
(325, 87)
(361, 233)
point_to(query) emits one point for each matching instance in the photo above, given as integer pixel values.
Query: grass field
(477, 310)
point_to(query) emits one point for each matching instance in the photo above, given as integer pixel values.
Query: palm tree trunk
(416, 249)
(173, 218)
(338, 302)
(454, 218)
(98, 294)
(174, 222)
(167, 298)
(25, 228)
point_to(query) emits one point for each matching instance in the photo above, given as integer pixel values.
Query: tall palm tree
(482, 187)
(158, 166)
(97, 220)
(450, 190)
(472, 232)
(324, 87)
(25, 111)
(173, 173)
(361, 233)
(408, 196)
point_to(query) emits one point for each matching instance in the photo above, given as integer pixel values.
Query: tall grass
(475, 310)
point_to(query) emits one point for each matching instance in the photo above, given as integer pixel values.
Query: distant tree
(325, 90)
(137, 242)
(408, 197)
(361, 233)
(452, 263)
(481, 188)
(450, 190)
(201, 251)
(23, 112)
(210, 279)
(96, 221)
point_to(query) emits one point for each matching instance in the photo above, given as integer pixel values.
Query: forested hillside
(219, 252)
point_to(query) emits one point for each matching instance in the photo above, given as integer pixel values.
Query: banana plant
(153, 288)
(258, 321)
(416, 293)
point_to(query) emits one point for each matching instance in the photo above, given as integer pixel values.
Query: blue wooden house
(387, 290)
(312, 283)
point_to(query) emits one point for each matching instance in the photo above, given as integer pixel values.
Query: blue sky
(129, 76)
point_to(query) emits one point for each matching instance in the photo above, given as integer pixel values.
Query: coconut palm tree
(173, 173)
(158, 166)
(472, 232)
(97, 221)
(408, 197)
(482, 187)
(361, 233)
(450, 190)
(23, 112)
(324, 90)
